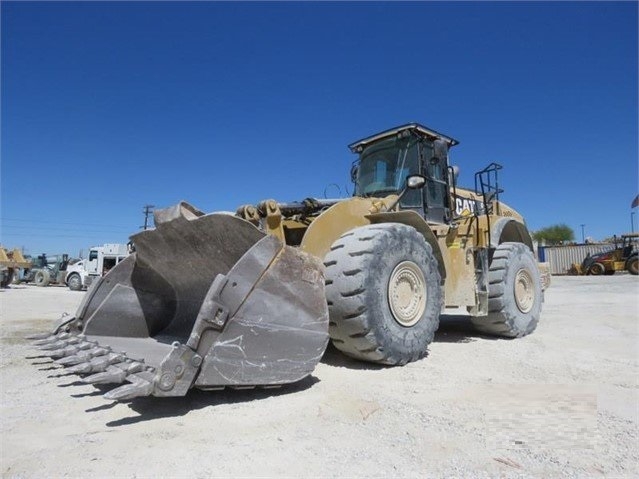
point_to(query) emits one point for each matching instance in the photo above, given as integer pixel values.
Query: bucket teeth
(79, 358)
(70, 359)
(97, 365)
(52, 338)
(38, 337)
(81, 368)
(45, 341)
(68, 350)
(60, 343)
(61, 353)
(93, 352)
(113, 374)
(102, 363)
(53, 346)
(138, 387)
(135, 367)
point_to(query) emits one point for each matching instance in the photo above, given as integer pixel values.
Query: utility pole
(148, 209)
(632, 221)
(583, 237)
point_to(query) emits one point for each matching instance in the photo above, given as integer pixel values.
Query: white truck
(101, 259)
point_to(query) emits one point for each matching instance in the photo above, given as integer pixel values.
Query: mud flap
(206, 301)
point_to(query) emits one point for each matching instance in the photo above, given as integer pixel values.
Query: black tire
(359, 270)
(596, 269)
(74, 282)
(7, 278)
(632, 265)
(41, 278)
(513, 265)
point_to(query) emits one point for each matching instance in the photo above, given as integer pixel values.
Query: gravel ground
(562, 402)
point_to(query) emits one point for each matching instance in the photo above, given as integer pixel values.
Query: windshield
(384, 166)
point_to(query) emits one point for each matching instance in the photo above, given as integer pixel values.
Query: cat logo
(465, 206)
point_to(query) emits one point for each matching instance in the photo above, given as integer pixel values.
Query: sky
(108, 107)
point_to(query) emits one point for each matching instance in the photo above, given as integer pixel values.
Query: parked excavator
(250, 300)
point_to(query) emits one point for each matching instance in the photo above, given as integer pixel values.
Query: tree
(555, 234)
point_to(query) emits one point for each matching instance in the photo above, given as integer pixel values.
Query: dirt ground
(562, 402)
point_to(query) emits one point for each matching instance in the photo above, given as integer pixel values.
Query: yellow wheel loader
(10, 263)
(251, 299)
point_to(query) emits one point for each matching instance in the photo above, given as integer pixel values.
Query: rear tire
(632, 265)
(515, 294)
(42, 278)
(74, 282)
(384, 294)
(7, 278)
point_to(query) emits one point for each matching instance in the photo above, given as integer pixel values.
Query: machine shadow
(458, 329)
(150, 408)
(334, 357)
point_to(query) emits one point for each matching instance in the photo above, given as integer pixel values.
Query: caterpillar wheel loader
(10, 263)
(251, 299)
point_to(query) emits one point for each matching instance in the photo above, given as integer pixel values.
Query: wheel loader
(251, 300)
(623, 257)
(10, 263)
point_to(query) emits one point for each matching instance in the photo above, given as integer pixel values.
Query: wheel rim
(407, 293)
(524, 291)
(596, 269)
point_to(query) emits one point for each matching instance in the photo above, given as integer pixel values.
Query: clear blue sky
(107, 107)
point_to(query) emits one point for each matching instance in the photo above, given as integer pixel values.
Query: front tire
(74, 282)
(515, 294)
(632, 265)
(596, 269)
(7, 278)
(42, 278)
(384, 294)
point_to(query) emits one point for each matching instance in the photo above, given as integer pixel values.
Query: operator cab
(388, 158)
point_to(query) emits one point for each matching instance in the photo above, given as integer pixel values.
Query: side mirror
(415, 182)
(455, 172)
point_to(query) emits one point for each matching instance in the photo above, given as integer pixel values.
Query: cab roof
(414, 127)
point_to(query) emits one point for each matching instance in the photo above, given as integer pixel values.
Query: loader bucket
(206, 301)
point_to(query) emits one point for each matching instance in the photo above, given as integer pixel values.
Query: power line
(53, 228)
(44, 235)
(22, 220)
(148, 209)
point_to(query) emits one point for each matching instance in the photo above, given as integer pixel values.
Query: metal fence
(560, 258)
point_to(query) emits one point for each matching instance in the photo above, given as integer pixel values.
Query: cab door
(92, 263)
(435, 169)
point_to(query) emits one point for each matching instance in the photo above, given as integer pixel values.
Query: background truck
(100, 261)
